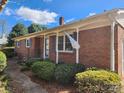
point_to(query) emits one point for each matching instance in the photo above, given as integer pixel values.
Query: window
(68, 45)
(28, 42)
(60, 42)
(17, 43)
(64, 43)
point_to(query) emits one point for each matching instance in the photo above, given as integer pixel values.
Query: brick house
(101, 40)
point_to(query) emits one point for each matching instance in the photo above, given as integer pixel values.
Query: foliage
(44, 70)
(98, 81)
(9, 52)
(3, 61)
(36, 28)
(18, 30)
(3, 83)
(64, 73)
(30, 62)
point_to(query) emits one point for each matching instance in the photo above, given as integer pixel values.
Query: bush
(30, 62)
(44, 70)
(9, 53)
(4, 84)
(98, 81)
(64, 73)
(3, 61)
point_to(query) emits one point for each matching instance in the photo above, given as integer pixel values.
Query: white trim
(47, 41)
(64, 46)
(57, 54)
(44, 48)
(77, 50)
(63, 51)
(17, 44)
(28, 46)
(112, 51)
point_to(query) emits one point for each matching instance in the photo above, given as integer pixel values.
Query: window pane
(17, 44)
(60, 43)
(28, 42)
(68, 45)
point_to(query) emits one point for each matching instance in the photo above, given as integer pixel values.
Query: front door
(47, 47)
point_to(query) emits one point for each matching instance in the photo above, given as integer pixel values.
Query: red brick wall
(67, 57)
(95, 47)
(63, 56)
(52, 47)
(119, 37)
(22, 51)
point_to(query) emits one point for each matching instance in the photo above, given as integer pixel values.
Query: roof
(103, 17)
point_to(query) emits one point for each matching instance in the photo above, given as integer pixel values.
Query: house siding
(95, 47)
(119, 37)
(24, 52)
(52, 48)
(67, 57)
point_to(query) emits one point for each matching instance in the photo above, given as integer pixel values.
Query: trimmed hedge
(98, 81)
(3, 61)
(64, 73)
(44, 70)
(30, 62)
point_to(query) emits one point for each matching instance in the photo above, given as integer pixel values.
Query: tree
(18, 30)
(36, 28)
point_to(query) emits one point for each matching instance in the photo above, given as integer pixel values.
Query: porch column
(57, 48)
(77, 50)
(44, 47)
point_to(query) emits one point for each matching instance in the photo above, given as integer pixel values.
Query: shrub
(9, 53)
(98, 81)
(30, 62)
(44, 70)
(4, 84)
(64, 73)
(3, 61)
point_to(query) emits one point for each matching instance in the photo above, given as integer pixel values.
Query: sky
(47, 12)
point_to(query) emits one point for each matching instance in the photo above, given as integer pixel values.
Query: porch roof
(103, 20)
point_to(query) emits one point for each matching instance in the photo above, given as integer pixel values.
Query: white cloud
(47, 0)
(91, 14)
(8, 11)
(36, 16)
(69, 20)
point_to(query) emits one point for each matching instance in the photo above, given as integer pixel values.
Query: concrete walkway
(22, 81)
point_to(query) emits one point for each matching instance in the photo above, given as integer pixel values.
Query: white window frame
(28, 40)
(17, 44)
(64, 50)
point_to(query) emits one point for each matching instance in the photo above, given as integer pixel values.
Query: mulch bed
(51, 87)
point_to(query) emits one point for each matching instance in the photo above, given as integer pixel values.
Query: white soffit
(120, 17)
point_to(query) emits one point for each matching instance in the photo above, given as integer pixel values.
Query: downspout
(57, 48)
(112, 47)
(77, 50)
(44, 48)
